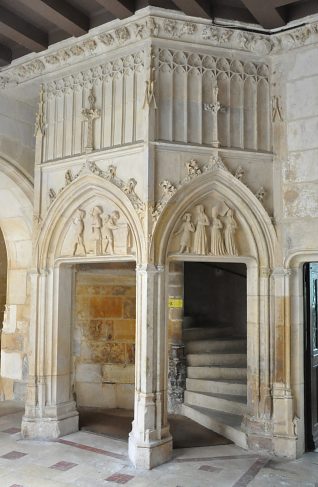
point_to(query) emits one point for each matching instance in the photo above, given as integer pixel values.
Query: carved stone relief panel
(96, 229)
(211, 227)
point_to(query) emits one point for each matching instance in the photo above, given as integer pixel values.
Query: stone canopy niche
(104, 335)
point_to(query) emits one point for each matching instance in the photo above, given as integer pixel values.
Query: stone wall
(104, 337)
(16, 132)
(3, 277)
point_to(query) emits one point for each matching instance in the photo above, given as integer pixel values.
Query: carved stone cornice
(151, 23)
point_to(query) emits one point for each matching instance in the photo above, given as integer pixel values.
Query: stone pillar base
(45, 428)
(285, 447)
(148, 456)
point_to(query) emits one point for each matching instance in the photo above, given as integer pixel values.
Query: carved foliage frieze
(193, 170)
(90, 167)
(166, 28)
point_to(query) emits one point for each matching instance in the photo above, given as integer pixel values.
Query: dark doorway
(311, 355)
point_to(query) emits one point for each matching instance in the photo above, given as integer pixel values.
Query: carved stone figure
(110, 224)
(52, 195)
(193, 168)
(185, 230)
(129, 187)
(68, 177)
(239, 173)
(200, 243)
(90, 114)
(217, 243)
(97, 222)
(260, 194)
(230, 227)
(80, 228)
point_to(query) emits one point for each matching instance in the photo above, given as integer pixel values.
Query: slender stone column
(150, 442)
(50, 410)
(283, 407)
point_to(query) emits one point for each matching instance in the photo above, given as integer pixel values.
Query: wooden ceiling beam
(5, 55)
(195, 8)
(60, 13)
(119, 8)
(21, 32)
(265, 13)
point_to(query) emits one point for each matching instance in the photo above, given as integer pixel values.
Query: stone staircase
(215, 394)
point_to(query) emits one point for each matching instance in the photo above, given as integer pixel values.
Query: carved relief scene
(98, 229)
(104, 335)
(210, 228)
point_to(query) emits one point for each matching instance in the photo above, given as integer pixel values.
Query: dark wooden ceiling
(32, 25)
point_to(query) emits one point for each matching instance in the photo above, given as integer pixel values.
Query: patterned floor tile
(64, 466)
(119, 478)
(13, 455)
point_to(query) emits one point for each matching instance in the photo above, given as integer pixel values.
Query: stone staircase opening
(214, 335)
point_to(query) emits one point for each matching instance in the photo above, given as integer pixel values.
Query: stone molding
(149, 24)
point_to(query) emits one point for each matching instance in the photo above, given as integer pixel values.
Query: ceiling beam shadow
(60, 13)
(195, 8)
(265, 13)
(21, 32)
(5, 55)
(119, 8)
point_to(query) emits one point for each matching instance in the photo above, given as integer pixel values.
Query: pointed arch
(261, 234)
(74, 196)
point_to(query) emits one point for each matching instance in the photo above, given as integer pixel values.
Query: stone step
(227, 425)
(216, 372)
(212, 331)
(230, 387)
(216, 358)
(218, 402)
(216, 345)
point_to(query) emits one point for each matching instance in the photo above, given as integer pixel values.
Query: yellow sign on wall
(175, 302)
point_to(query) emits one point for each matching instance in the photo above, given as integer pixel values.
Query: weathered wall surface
(104, 337)
(3, 277)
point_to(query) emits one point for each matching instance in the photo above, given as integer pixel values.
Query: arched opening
(16, 214)
(88, 247)
(216, 221)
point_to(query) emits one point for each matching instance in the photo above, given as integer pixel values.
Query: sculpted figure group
(101, 228)
(222, 233)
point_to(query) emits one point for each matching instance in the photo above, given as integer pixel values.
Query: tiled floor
(87, 460)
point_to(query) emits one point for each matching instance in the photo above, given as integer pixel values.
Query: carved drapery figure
(110, 224)
(230, 227)
(97, 224)
(200, 243)
(217, 243)
(80, 227)
(185, 230)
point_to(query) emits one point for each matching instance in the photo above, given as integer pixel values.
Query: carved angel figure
(217, 243)
(200, 243)
(80, 227)
(52, 195)
(230, 227)
(68, 177)
(110, 224)
(185, 230)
